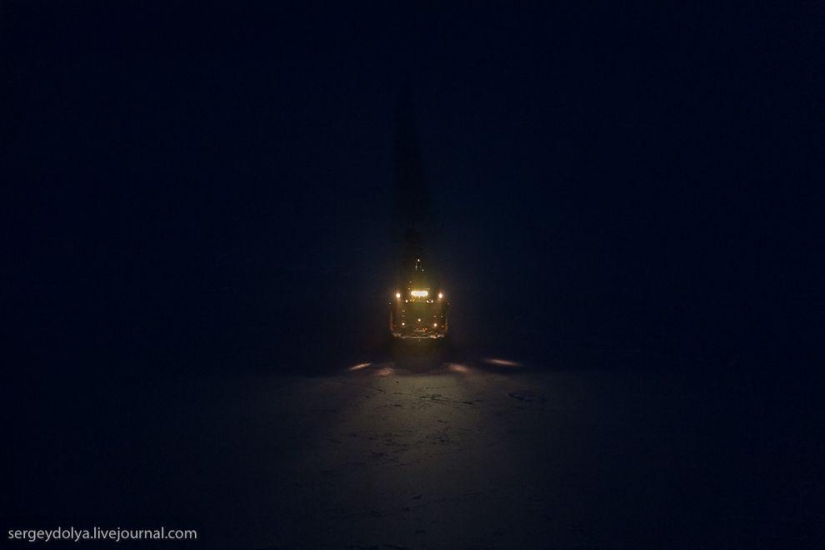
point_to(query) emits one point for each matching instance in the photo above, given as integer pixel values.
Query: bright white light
(435, 324)
(420, 293)
(398, 295)
(440, 295)
(359, 366)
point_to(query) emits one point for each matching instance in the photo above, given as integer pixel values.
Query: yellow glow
(440, 295)
(420, 293)
(398, 295)
(435, 324)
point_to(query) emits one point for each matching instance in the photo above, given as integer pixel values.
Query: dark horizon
(648, 164)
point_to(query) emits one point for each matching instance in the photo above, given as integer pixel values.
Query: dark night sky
(176, 173)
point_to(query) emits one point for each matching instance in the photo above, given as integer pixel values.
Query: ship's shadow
(421, 356)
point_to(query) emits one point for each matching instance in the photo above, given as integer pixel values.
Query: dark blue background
(190, 185)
